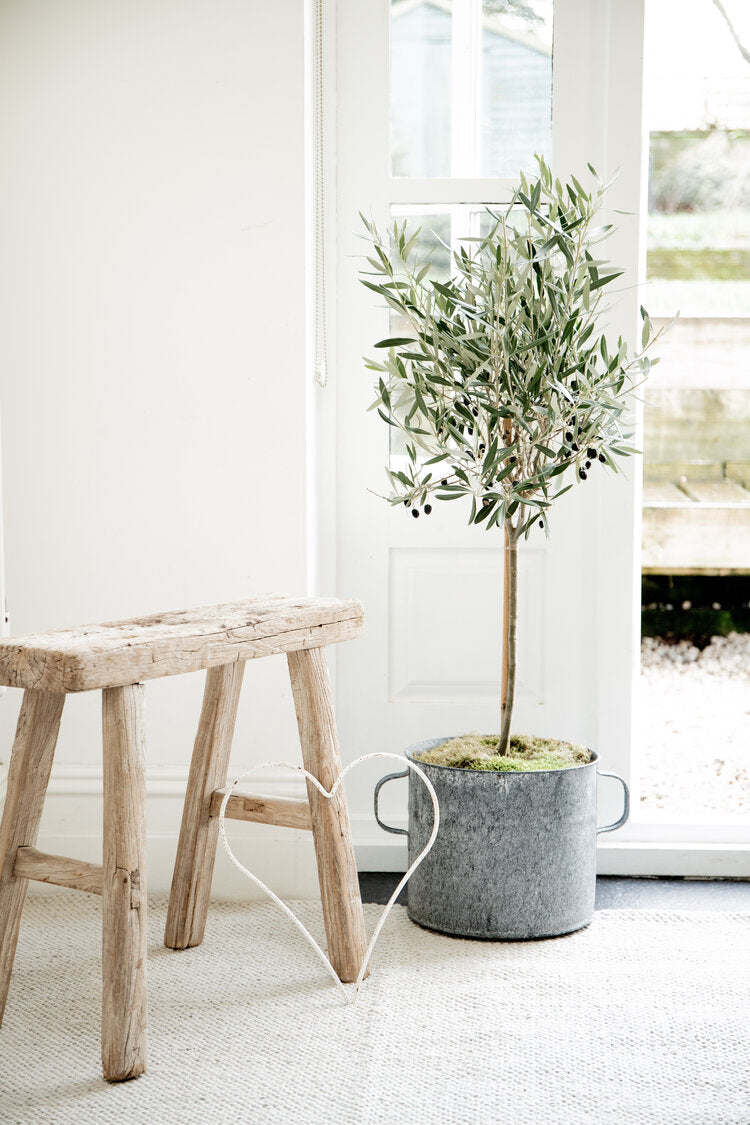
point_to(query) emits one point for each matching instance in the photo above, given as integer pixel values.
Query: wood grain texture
(28, 777)
(124, 884)
(695, 537)
(196, 850)
(76, 874)
(665, 494)
(167, 644)
(337, 869)
(720, 493)
(283, 812)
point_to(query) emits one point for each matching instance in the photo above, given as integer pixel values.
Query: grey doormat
(641, 1018)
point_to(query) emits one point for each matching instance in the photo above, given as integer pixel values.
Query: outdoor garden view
(695, 685)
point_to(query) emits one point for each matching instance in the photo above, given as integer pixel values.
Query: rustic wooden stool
(115, 658)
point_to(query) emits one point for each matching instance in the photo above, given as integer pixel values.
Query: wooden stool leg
(337, 870)
(28, 777)
(124, 884)
(196, 851)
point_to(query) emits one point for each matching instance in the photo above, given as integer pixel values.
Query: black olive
(591, 453)
(444, 482)
(406, 503)
(582, 474)
(470, 431)
(568, 436)
(587, 465)
(513, 460)
(427, 509)
(415, 513)
(574, 447)
(541, 523)
(602, 458)
(475, 412)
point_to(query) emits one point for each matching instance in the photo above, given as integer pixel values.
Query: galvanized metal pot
(515, 856)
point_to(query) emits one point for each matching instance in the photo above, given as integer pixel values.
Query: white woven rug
(642, 1018)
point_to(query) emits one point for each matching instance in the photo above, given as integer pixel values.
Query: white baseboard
(697, 860)
(285, 858)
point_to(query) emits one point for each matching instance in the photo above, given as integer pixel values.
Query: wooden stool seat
(167, 644)
(116, 658)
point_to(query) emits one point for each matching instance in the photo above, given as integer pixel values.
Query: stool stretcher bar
(58, 870)
(283, 812)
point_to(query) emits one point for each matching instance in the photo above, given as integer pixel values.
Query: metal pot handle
(378, 787)
(626, 808)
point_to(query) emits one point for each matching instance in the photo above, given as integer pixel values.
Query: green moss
(526, 752)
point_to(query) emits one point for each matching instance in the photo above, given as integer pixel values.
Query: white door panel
(432, 587)
(429, 663)
(445, 615)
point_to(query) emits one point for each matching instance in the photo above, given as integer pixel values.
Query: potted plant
(508, 393)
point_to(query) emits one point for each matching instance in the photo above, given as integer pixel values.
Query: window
(470, 86)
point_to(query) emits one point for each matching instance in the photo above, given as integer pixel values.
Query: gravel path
(695, 726)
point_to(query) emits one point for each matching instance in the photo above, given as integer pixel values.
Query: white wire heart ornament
(329, 794)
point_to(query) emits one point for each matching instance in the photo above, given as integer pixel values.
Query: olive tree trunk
(510, 621)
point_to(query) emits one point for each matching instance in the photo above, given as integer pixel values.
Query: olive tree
(502, 379)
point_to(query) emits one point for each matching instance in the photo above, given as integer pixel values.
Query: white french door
(430, 662)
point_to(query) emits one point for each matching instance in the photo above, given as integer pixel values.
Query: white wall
(152, 356)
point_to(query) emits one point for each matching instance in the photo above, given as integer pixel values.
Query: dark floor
(613, 891)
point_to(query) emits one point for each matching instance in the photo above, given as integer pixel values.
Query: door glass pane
(696, 518)
(442, 229)
(516, 112)
(433, 244)
(470, 86)
(420, 92)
